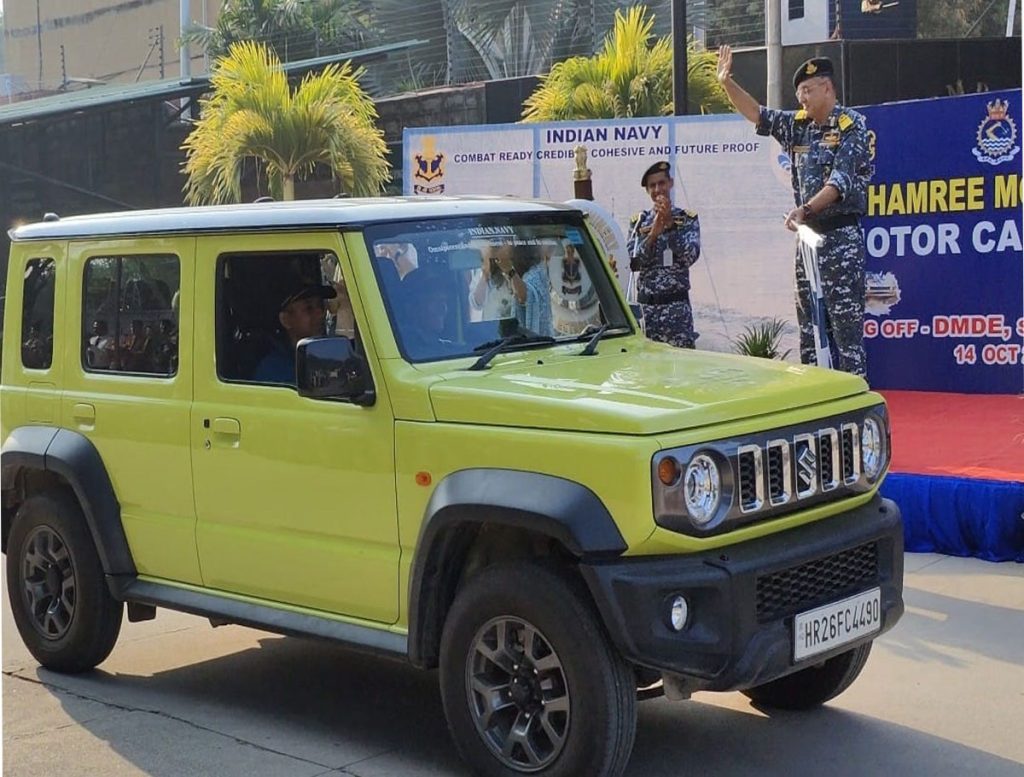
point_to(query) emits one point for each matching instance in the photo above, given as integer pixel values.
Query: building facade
(51, 45)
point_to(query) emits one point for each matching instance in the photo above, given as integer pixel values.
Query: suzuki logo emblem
(807, 467)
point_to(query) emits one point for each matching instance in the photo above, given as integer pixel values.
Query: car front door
(295, 497)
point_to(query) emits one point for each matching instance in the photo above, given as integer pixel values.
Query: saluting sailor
(663, 242)
(829, 149)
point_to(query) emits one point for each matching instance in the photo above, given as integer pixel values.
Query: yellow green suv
(432, 428)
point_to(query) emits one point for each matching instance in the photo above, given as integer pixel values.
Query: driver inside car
(300, 315)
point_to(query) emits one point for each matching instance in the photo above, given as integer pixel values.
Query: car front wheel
(529, 680)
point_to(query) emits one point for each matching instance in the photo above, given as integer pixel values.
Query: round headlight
(872, 447)
(702, 489)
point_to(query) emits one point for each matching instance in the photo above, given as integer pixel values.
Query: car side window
(130, 314)
(37, 314)
(267, 302)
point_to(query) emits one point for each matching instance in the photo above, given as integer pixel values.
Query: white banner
(736, 181)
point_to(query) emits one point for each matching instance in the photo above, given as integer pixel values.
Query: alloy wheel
(518, 694)
(48, 583)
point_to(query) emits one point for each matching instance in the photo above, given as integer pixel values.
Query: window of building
(796, 9)
(130, 314)
(37, 314)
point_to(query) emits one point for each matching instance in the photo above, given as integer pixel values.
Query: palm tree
(252, 112)
(293, 30)
(521, 37)
(628, 77)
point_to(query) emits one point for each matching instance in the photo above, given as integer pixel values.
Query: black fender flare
(75, 459)
(568, 512)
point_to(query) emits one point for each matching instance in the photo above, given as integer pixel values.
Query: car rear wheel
(529, 680)
(812, 686)
(59, 598)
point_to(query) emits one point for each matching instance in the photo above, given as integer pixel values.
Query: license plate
(824, 628)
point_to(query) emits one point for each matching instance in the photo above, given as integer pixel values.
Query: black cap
(813, 68)
(657, 167)
(307, 290)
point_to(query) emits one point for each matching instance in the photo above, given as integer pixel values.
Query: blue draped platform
(960, 516)
(958, 472)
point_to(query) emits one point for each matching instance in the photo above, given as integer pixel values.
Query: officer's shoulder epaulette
(684, 214)
(635, 219)
(800, 115)
(845, 121)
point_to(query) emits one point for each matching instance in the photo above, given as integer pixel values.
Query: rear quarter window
(37, 314)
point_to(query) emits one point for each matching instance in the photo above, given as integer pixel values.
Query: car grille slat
(816, 582)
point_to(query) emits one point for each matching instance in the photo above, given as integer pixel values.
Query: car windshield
(456, 287)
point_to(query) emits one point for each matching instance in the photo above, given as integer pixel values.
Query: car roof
(259, 216)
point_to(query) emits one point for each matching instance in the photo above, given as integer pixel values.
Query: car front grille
(798, 467)
(770, 473)
(816, 582)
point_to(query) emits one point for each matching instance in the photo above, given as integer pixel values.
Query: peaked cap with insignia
(812, 68)
(657, 167)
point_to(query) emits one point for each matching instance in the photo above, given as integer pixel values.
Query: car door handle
(84, 413)
(227, 427)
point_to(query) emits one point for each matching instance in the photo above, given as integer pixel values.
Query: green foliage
(736, 22)
(630, 76)
(293, 29)
(252, 112)
(958, 18)
(763, 339)
(520, 37)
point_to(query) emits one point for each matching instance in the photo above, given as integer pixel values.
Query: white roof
(253, 217)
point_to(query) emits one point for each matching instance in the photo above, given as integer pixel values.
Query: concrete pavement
(943, 694)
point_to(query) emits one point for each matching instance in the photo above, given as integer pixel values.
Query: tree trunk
(288, 187)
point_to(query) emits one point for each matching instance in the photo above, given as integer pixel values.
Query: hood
(649, 389)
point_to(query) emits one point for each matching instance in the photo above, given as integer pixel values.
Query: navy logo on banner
(997, 135)
(429, 168)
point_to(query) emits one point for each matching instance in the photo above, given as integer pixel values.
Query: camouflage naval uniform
(663, 290)
(835, 153)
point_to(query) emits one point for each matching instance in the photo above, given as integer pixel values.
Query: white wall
(812, 28)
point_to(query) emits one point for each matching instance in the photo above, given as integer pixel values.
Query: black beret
(812, 68)
(657, 167)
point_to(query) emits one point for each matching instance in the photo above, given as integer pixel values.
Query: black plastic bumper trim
(724, 645)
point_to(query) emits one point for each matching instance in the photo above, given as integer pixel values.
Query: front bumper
(743, 597)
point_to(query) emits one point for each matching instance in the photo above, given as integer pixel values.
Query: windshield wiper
(591, 347)
(494, 347)
(595, 334)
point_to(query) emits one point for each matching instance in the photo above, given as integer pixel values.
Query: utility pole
(161, 39)
(186, 62)
(679, 64)
(39, 44)
(773, 44)
(184, 55)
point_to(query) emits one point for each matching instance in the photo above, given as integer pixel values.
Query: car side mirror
(329, 368)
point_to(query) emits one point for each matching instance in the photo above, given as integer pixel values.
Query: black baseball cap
(307, 290)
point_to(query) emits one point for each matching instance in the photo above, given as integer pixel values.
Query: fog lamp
(678, 613)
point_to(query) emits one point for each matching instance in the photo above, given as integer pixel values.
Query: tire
(529, 635)
(813, 686)
(59, 598)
